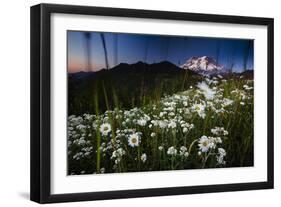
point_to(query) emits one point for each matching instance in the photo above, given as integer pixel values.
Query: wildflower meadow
(207, 125)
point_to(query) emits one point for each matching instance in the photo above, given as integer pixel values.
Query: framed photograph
(132, 103)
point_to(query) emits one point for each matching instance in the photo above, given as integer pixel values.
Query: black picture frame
(41, 95)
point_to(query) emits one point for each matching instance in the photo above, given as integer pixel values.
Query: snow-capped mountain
(203, 65)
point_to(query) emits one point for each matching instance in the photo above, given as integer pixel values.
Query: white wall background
(14, 101)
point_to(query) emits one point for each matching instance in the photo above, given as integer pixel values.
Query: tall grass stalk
(98, 159)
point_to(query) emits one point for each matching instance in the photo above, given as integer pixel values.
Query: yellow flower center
(134, 140)
(205, 144)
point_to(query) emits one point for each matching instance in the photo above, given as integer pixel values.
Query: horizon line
(93, 71)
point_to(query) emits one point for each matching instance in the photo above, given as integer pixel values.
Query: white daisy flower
(207, 91)
(105, 129)
(200, 109)
(204, 143)
(134, 140)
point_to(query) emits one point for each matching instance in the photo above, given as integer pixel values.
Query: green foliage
(125, 88)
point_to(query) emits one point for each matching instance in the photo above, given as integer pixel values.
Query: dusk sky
(131, 48)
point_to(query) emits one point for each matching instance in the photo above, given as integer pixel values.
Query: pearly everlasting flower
(186, 154)
(141, 122)
(172, 125)
(220, 156)
(219, 131)
(102, 170)
(105, 129)
(117, 155)
(171, 114)
(134, 140)
(143, 157)
(218, 140)
(215, 82)
(220, 160)
(162, 124)
(153, 134)
(94, 125)
(183, 151)
(160, 148)
(81, 127)
(221, 152)
(246, 87)
(227, 102)
(172, 151)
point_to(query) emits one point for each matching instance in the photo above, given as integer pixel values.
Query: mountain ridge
(203, 65)
(138, 67)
